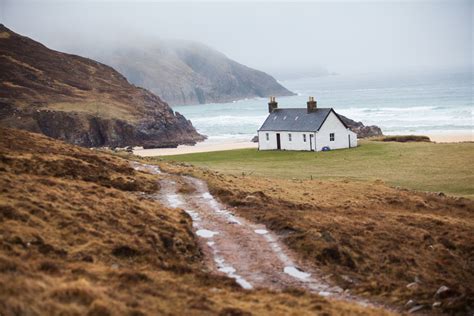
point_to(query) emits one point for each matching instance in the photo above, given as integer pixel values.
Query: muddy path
(242, 250)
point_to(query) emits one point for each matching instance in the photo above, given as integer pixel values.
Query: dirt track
(242, 250)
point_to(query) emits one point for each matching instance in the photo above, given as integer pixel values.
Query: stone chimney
(272, 105)
(311, 105)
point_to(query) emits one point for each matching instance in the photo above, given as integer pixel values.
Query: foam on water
(420, 103)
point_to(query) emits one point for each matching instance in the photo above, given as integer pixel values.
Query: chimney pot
(311, 105)
(272, 105)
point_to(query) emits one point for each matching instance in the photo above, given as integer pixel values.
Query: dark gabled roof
(297, 120)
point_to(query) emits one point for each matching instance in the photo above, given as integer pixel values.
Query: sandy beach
(209, 146)
(206, 146)
(451, 137)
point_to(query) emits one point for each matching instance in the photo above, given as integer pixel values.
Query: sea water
(400, 104)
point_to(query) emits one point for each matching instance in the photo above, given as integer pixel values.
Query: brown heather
(373, 239)
(78, 236)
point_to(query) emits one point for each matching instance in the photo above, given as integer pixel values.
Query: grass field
(447, 168)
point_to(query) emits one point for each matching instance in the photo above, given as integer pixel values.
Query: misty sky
(343, 37)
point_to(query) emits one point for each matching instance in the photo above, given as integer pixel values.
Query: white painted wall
(297, 142)
(332, 125)
(353, 138)
(264, 144)
(341, 134)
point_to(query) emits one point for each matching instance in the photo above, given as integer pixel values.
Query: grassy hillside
(394, 245)
(79, 237)
(81, 101)
(421, 166)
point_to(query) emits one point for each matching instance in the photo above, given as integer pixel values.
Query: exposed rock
(360, 129)
(186, 72)
(443, 292)
(251, 199)
(436, 304)
(254, 139)
(416, 309)
(410, 304)
(412, 286)
(81, 101)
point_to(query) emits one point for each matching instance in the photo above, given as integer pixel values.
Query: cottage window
(267, 136)
(304, 138)
(289, 137)
(331, 137)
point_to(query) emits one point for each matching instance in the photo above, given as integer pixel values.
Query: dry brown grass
(373, 239)
(78, 238)
(102, 107)
(402, 138)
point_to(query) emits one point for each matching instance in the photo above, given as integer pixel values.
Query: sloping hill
(80, 100)
(184, 72)
(407, 248)
(80, 237)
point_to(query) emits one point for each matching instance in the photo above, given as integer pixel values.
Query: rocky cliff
(80, 100)
(360, 129)
(184, 72)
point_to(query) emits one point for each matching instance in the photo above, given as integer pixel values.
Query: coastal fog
(285, 39)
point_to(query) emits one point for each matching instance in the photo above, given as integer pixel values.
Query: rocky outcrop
(360, 129)
(184, 72)
(81, 101)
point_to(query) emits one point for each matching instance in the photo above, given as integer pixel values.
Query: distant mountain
(80, 100)
(184, 72)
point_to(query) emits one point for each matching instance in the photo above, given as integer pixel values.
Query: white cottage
(310, 129)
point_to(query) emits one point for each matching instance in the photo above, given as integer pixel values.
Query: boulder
(360, 129)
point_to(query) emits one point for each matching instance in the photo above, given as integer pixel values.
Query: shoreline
(213, 145)
(442, 136)
(447, 137)
(205, 146)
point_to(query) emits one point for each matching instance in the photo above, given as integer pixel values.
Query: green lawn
(423, 166)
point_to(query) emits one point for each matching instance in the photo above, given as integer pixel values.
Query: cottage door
(311, 141)
(278, 141)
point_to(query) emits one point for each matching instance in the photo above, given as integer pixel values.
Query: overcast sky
(343, 37)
